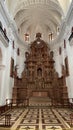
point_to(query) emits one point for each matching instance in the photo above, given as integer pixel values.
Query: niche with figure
(39, 72)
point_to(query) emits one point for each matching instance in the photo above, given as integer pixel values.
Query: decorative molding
(31, 3)
(3, 40)
(53, 43)
(4, 13)
(10, 23)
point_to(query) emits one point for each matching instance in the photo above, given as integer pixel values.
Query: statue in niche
(39, 72)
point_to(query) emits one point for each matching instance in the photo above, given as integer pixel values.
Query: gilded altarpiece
(39, 77)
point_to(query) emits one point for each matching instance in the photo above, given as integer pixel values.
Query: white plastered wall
(60, 59)
(6, 82)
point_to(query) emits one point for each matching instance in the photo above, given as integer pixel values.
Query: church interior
(36, 65)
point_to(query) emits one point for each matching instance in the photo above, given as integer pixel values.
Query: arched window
(26, 37)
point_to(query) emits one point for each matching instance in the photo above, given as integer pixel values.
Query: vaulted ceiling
(32, 16)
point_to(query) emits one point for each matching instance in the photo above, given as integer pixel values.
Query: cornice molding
(4, 12)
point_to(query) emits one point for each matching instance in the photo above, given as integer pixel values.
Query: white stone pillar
(2, 67)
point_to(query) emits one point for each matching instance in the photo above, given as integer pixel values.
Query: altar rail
(4, 108)
(10, 103)
(54, 103)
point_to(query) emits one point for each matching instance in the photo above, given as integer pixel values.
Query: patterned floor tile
(34, 119)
